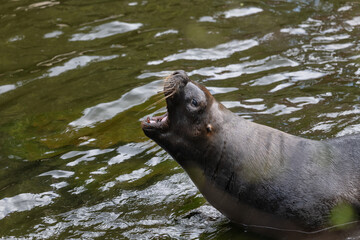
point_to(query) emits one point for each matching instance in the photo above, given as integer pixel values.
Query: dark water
(77, 76)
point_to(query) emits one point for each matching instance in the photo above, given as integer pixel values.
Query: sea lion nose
(181, 76)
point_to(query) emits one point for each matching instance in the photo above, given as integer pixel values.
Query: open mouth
(161, 123)
(154, 123)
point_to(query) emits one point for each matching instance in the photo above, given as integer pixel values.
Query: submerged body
(256, 175)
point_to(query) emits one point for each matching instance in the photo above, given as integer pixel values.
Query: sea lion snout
(174, 81)
(181, 77)
(180, 72)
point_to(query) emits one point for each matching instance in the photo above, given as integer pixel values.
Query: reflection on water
(77, 62)
(105, 30)
(53, 34)
(25, 202)
(76, 78)
(6, 88)
(221, 51)
(58, 174)
(248, 67)
(105, 111)
(240, 12)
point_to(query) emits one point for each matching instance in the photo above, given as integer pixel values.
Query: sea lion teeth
(255, 175)
(157, 122)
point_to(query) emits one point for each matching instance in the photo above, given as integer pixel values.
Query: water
(76, 77)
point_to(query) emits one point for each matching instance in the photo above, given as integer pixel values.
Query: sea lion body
(256, 175)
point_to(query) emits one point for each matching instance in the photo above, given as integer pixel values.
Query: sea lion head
(189, 124)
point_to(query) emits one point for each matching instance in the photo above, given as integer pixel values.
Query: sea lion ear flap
(209, 128)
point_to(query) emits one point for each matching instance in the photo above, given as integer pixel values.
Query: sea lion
(256, 175)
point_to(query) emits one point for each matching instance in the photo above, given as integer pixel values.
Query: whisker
(171, 94)
(168, 87)
(168, 91)
(148, 107)
(163, 98)
(160, 100)
(159, 94)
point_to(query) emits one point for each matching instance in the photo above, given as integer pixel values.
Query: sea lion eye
(194, 102)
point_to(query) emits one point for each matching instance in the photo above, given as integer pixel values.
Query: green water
(76, 77)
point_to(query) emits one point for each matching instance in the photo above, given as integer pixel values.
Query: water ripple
(219, 52)
(77, 62)
(53, 34)
(236, 70)
(276, 66)
(280, 109)
(302, 101)
(352, 129)
(354, 22)
(356, 110)
(281, 87)
(25, 202)
(293, 76)
(327, 39)
(106, 111)
(294, 31)
(219, 90)
(333, 47)
(58, 174)
(207, 19)
(233, 104)
(89, 155)
(39, 5)
(105, 30)
(161, 74)
(344, 8)
(127, 151)
(59, 185)
(241, 12)
(7, 88)
(171, 31)
(134, 175)
(325, 126)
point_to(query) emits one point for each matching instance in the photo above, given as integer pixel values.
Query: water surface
(76, 77)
